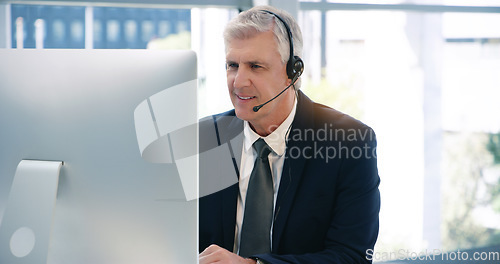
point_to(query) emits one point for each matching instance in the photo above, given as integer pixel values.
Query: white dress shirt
(277, 141)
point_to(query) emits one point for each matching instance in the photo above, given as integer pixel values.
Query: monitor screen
(77, 106)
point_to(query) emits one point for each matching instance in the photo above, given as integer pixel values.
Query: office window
(112, 27)
(136, 27)
(471, 217)
(63, 25)
(428, 84)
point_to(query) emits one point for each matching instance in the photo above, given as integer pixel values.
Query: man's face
(255, 74)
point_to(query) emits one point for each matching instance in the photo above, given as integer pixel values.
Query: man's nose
(242, 78)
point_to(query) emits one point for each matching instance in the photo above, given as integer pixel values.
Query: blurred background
(425, 74)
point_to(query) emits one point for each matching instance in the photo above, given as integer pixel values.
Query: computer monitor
(81, 107)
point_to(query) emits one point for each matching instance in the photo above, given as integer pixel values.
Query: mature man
(307, 188)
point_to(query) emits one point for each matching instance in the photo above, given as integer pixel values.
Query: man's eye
(231, 65)
(255, 66)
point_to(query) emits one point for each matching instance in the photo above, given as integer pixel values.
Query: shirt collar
(276, 140)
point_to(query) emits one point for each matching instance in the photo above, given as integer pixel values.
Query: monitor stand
(27, 220)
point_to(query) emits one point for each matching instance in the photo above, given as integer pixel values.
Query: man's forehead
(250, 55)
(260, 37)
(245, 56)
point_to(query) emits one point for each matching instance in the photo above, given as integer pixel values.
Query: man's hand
(216, 254)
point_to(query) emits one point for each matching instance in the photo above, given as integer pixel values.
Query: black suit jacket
(328, 200)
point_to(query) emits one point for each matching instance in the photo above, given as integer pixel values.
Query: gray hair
(253, 21)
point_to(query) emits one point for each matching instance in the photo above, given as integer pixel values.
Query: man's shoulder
(325, 114)
(321, 114)
(336, 125)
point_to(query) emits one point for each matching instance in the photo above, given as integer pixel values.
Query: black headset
(295, 65)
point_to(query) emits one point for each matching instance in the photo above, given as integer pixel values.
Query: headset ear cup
(298, 66)
(295, 67)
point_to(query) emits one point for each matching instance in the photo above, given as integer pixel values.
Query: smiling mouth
(245, 97)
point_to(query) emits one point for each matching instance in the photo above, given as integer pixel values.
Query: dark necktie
(258, 214)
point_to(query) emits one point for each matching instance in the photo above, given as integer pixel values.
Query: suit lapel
(292, 168)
